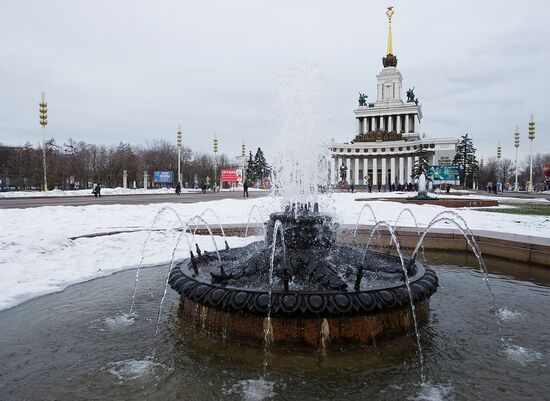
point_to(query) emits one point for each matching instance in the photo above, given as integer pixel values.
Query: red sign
(229, 175)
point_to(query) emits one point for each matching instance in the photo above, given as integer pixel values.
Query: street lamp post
(215, 146)
(243, 156)
(531, 138)
(43, 121)
(499, 155)
(179, 138)
(516, 145)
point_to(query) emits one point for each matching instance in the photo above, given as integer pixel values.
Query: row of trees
(76, 164)
(504, 171)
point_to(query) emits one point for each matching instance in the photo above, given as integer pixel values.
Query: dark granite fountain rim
(419, 272)
(304, 303)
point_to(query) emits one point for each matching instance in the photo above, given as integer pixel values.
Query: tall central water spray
(300, 166)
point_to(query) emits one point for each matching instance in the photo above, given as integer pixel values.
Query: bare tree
(76, 164)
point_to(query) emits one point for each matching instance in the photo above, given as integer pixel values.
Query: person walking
(245, 189)
(94, 190)
(98, 191)
(178, 188)
(352, 187)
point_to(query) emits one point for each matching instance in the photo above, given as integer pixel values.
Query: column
(384, 172)
(358, 125)
(124, 178)
(374, 171)
(145, 176)
(392, 166)
(382, 123)
(333, 173)
(415, 162)
(365, 125)
(409, 169)
(417, 123)
(390, 123)
(398, 125)
(374, 125)
(356, 174)
(433, 159)
(365, 169)
(401, 170)
(348, 165)
(406, 123)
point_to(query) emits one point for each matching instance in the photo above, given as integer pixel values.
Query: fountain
(317, 285)
(422, 190)
(422, 198)
(302, 287)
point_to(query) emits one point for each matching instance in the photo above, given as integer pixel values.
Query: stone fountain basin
(311, 318)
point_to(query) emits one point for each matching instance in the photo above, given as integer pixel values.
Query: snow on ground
(453, 195)
(37, 255)
(54, 193)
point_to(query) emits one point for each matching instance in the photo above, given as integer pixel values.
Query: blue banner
(163, 177)
(442, 173)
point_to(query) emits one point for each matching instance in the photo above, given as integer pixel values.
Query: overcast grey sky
(131, 71)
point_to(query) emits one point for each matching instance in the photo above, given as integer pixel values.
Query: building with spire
(389, 133)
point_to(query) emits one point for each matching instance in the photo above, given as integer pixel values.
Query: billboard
(229, 175)
(163, 177)
(442, 173)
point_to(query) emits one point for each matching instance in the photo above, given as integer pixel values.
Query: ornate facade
(388, 133)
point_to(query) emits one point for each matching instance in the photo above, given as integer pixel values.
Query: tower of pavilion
(389, 132)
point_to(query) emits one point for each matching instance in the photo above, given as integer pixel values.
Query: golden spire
(390, 13)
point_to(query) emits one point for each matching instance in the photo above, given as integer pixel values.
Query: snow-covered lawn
(104, 191)
(37, 255)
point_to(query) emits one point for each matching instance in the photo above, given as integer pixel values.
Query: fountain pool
(68, 346)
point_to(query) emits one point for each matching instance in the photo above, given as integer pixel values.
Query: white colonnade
(385, 170)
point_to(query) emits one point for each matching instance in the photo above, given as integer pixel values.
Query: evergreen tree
(421, 165)
(250, 169)
(465, 159)
(261, 167)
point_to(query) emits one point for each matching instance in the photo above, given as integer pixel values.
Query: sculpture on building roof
(410, 95)
(362, 99)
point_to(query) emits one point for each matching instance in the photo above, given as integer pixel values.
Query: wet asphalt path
(21, 203)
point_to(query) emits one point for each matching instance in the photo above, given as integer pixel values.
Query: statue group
(362, 99)
(411, 97)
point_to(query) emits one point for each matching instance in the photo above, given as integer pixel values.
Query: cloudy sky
(131, 70)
